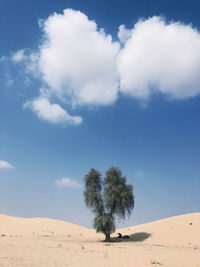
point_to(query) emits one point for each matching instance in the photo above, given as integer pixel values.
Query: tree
(108, 199)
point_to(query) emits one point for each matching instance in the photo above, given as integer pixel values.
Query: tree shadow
(139, 237)
(136, 237)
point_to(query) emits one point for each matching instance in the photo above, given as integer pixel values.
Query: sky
(94, 84)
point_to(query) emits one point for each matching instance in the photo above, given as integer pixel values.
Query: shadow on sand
(137, 237)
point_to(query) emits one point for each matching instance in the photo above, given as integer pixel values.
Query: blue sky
(75, 97)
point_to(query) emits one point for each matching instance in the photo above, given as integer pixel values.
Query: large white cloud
(78, 61)
(160, 57)
(80, 65)
(53, 113)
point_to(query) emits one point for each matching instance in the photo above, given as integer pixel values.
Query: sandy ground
(172, 242)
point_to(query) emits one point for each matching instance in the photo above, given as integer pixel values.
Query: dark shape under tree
(109, 199)
(123, 236)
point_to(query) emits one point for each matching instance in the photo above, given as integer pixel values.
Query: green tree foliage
(108, 199)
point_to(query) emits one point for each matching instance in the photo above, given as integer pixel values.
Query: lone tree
(108, 199)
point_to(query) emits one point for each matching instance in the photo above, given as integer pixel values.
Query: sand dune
(178, 230)
(173, 242)
(39, 226)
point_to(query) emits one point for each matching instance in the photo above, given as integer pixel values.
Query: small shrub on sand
(156, 263)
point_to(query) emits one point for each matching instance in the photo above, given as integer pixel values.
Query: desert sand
(172, 242)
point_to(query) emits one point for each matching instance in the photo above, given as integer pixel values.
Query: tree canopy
(108, 198)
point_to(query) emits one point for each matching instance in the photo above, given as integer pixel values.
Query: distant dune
(178, 230)
(173, 242)
(39, 226)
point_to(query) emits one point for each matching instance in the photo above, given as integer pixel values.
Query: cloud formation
(160, 57)
(18, 56)
(80, 64)
(5, 165)
(53, 113)
(78, 61)
(29, 59)
(67, 182)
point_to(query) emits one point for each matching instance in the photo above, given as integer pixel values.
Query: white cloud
(67, 182)
(5, 165)
(78, 64)
(160, 57)
(78, 61)
(53, 113)
(18, 56)
(29, 60)
(124, 34)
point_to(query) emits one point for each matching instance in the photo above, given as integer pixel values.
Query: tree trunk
(107, 238)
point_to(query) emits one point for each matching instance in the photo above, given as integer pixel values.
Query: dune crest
(177, 230)
(39, 226)
(45, 242)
